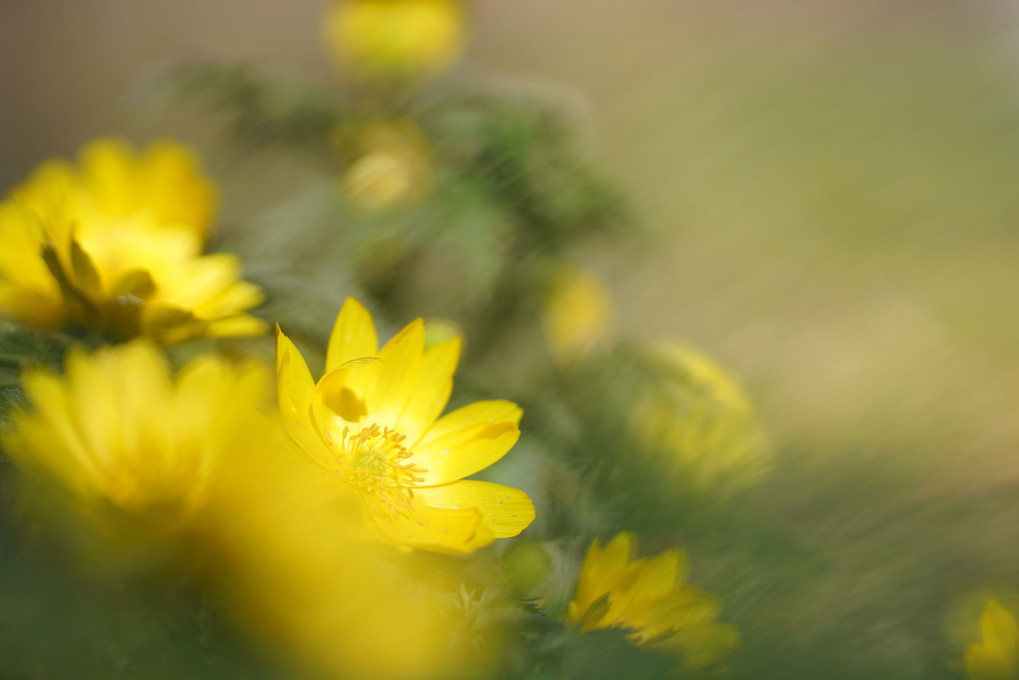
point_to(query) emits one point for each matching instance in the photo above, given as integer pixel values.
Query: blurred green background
(836, 180)
(835, 185)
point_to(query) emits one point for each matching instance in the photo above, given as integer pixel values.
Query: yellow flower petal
(490, 411)
(236, 326)
(353, 336)
(295, 389)
(46, 443)
(602, 567)
(397, 374)
(338, 400)
(172, 187)
(434, 385)
(653, 580)
(438, 529)
(464, 452)
(108, 167)
(505, 511)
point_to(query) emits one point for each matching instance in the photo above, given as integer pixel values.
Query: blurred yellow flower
(126, 443)
(115, 244)
(577, 314)
(395, 39)
(389, 166)
(372, 423)
(699, 415)
(648, 598)
(996, 656)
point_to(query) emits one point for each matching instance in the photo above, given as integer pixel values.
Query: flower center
(375, 466)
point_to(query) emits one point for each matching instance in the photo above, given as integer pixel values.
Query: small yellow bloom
(700, 416)
(128, 444)
(648, 598)
(389, 166)
(996, 656)
(115, 244)
(577, 314)
(372, 423)
(395, 39)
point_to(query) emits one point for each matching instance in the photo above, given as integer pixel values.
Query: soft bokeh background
(835, 183)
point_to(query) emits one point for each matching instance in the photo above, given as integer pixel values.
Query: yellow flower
(577, 314)
(648, 598)
(126, 443)
(996, 656)
(116, 245)
(389, 167)
(372, 423)
(394, 39)
(700, 416)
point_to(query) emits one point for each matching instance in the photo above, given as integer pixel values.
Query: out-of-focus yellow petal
(648, 598)
(505, 511)
(996, 657)
(175, 187)
(353, 335)
(461, 453)
(108, 170)
(46, 442)
(236, 326)
(999, 628)
(601, 569)
(984, 663)
(130, 446)
(653, 580)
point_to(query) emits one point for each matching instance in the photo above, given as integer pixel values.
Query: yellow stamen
(375, 466)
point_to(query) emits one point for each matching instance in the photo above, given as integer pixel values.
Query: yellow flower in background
(702, 420)
(128, 444)
(395, 39)
(389, 166)
(162, 185)
(115, 244)
(996, 655)
(372, 423)
(648, 598)
(577, 314)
